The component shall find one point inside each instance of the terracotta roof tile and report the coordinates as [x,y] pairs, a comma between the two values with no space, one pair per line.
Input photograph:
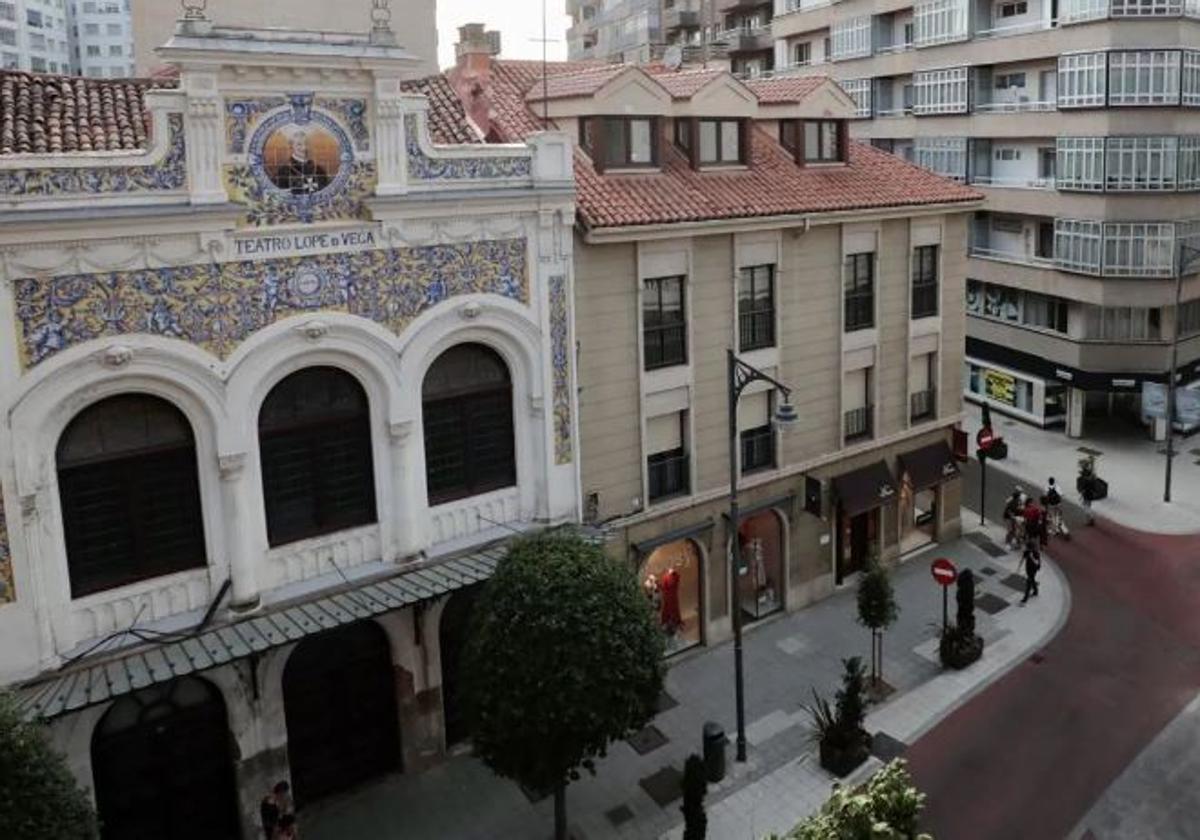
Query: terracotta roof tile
[682,84]
[44,114]
[448,121]
[786,89]
[771,186]
[578,83]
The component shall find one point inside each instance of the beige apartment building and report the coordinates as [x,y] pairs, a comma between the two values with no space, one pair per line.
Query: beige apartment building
[1079,120]
[416,23]
[716,214]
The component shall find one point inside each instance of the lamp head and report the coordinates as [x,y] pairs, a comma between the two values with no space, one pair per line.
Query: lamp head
[786,415]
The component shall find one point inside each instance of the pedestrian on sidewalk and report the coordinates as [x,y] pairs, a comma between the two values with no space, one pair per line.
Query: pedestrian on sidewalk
[1034,519]
[1012,512]
[287,828]
[276,807]
[1033,564]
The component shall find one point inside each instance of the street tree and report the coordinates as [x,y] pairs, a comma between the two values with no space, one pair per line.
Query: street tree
[877,610]
[563,657]
[39,799]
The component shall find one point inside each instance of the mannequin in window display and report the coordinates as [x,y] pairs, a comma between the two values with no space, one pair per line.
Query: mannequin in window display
[668,587]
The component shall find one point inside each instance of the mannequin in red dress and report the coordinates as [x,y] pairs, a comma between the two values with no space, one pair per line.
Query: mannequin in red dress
[668,587]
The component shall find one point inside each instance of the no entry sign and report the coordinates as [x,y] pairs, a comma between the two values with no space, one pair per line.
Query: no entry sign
[984,438]
[944,571]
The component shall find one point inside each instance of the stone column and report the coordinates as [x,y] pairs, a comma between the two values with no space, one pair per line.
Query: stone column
[1076,402]
[390,150]
[240,546]
[205,138]
[408,530]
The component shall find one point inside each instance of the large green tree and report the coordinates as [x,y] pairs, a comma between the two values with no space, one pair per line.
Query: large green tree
[39,799]
[564,657]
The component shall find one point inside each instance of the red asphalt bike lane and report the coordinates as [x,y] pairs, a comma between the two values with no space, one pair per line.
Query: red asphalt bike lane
[1027,757]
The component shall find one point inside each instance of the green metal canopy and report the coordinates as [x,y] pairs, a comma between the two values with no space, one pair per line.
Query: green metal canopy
[101,678]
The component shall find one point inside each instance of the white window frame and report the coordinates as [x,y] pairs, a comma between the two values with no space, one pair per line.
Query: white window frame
[941,91]
[1143,77]
[860,92]
[1140,164]
[1077,11]
[1139,249]
[1146,8]
[1079,245]
[945,156]
[1188,168]
[940,22]
[851,38]
[1190,75]
[1082,80]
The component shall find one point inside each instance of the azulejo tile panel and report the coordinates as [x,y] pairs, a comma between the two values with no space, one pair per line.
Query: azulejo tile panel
[560,341]
[169,173]
[8,591]
[353,114]
[266,206]
[241,117]
[217,306]
[421,167]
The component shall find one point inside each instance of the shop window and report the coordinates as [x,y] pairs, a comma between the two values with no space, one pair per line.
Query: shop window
[317,466]
[130,492]
[756,308]
[925,281]
[468,421]
[670,578]
[860,292]
[760,573]
[664,327]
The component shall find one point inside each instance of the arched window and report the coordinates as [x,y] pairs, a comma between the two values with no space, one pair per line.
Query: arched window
[468,419]
[314,434]
[130,493]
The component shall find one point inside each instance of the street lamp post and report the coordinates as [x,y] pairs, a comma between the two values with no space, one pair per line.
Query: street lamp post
[1187,254]
[741,375]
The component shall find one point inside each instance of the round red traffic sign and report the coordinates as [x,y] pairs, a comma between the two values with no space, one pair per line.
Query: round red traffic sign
[944,571]
[984,438]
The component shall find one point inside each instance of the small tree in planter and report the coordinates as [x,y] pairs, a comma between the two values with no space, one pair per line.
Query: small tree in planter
[842,742]
[959,645]
[877,610]
[695,786]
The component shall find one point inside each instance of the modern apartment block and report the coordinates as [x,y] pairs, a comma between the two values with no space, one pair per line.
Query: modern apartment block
[102,39]
[34,36]
[735,34]
[1080,122]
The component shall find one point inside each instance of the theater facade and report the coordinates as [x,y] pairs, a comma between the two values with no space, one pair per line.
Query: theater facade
[286,353]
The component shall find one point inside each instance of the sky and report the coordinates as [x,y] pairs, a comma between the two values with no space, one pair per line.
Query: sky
[519,22]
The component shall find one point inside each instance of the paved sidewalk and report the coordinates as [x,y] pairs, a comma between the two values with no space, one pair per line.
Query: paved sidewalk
[1133,466]
[635,792]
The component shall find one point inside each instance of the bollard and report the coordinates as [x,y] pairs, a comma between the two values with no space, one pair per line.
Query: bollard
[714,752]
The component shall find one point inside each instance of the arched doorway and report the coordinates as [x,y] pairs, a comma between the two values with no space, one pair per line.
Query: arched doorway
[339,700]
[452,639]
[163,765]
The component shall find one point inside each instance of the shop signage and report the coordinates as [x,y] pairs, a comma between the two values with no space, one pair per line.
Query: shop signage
[1064,374]
[304,243]
[944,572]
[1124,383]
[1000,387]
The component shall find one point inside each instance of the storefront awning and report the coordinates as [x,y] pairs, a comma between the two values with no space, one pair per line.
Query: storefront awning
[864,489]
[930,465]
[99,679]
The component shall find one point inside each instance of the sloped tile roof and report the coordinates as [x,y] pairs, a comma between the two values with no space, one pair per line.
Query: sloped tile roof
[45,114]
[784,90]
[448,121]
[578,83]
[771,186]
[682,84]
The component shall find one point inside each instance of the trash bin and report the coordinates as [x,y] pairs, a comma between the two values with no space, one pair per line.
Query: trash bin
[714,752]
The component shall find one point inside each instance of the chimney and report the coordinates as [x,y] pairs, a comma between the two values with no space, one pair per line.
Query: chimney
[476,47]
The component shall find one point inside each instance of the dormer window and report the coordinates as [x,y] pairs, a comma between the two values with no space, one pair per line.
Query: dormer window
[620,142]
[712,142]
[815,141]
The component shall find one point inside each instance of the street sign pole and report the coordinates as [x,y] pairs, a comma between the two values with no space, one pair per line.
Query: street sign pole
[982,485]
[944,573]
[945,608]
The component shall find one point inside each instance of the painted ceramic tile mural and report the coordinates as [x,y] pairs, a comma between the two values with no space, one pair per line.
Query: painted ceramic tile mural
[218,306]
[560,340]
[353,114]
[242,116]
[169,173]
[8,592]
[421,167]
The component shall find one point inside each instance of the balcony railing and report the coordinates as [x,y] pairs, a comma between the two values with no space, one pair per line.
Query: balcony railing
[858,423]
[889,49]
[756,329]
[1016,29]
[747,39]
[1011,257]
[894,113]
[923,404]
[758,449]
[1016,107]
[1014,183]
[667,476]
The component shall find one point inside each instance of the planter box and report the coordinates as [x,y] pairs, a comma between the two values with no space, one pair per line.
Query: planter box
[843,762]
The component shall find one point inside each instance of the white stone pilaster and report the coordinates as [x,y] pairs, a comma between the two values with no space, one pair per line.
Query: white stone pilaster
[240,545]
[205,139]
[390,156]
